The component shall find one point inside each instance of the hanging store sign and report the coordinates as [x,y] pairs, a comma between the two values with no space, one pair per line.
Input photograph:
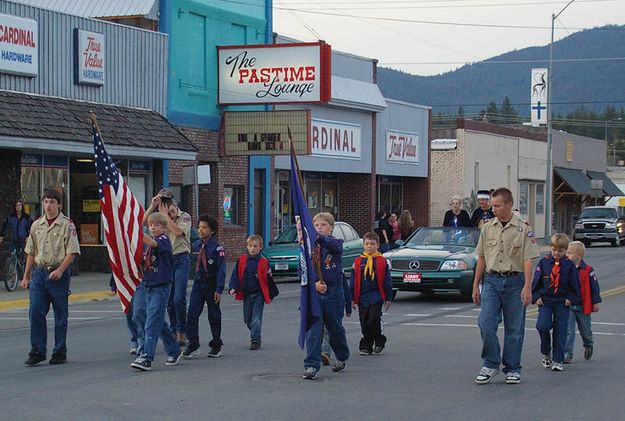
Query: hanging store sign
[89,61]
[278,73]
[19,46]
[539,88]
[335,139]
[266,132]
[402,147]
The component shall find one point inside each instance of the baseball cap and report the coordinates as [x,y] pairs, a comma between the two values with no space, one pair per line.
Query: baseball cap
[166,194]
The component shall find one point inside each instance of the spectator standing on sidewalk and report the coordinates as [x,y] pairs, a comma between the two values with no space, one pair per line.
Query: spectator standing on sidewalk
[505,251]
[51,249]
[179,228]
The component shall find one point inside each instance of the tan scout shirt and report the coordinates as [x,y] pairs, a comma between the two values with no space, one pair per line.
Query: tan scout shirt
[506,248]
[181,244]
[50,244]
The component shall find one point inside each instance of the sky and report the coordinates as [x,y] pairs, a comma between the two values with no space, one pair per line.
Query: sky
[386,29]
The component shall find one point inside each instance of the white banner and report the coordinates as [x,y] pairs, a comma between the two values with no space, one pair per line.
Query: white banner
[335,139]
[271,74]
[90,58]
[402,147]
[19,46]
[540,78]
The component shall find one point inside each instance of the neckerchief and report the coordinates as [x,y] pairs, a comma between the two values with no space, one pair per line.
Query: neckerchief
[147,259]
[369,271]
[554,278]
[201,258]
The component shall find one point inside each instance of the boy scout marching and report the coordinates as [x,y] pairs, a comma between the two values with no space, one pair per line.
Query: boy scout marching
[502,286]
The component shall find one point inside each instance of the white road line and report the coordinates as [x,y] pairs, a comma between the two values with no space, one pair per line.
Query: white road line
[460,316]
[528,329]
[449,308]
[416,315]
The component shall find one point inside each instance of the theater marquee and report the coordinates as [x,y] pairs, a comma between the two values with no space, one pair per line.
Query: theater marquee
[266,132]
[276,73]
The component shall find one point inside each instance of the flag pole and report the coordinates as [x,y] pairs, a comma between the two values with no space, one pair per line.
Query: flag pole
[94,121]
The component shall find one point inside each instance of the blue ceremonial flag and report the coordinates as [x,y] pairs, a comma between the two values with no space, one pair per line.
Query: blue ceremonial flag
[309,307]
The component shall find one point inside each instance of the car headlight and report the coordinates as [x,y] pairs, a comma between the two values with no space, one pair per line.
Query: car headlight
[454,265]
[610,225]
[388,263]
[579,226]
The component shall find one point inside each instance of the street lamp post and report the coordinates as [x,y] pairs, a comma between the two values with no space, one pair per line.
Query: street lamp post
[549,180]
[605,137]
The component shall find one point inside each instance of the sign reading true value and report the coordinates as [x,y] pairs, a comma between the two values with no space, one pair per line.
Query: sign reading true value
[402,146]
[19,46]
[277,73]
[89,62]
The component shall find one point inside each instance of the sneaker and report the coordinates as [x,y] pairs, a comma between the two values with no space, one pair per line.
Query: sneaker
[338,366]
[310,373]
[546,361]
[58,358]
[255,345]
[133,351]
[557,366]
[513,378]
[486,375]
[35,357]
[568,359]
[142,364]
[325,358]
[365,352]
[588,352]
[378,349]
[191,350]
[215,352]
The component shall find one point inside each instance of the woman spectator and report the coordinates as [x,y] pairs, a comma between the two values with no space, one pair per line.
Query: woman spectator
[456,217]
[16,227]
[406,225]
[381,228]
[395,233]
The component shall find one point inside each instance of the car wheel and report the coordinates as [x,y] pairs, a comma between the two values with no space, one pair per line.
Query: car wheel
[467,295]
[395,291]
[586,243]
[616,243]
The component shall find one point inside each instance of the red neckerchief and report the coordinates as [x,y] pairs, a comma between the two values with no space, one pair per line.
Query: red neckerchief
[201,258]
[554,278]
[51,221]
[147,259]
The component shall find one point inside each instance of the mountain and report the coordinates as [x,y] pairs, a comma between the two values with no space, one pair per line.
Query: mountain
[594,84]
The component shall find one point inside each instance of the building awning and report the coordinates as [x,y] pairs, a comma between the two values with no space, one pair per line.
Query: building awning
[356,94]
[100,8]
[575,179]
[609,187]
[42,123]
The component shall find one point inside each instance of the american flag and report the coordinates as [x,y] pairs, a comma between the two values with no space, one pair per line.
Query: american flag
[122,216]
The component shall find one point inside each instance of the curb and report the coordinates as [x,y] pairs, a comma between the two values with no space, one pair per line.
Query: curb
[23,303]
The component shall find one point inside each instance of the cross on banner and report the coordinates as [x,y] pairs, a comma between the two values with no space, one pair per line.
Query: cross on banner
[538,107]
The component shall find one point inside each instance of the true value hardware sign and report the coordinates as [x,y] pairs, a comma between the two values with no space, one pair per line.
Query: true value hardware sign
[277,73]
[89,62]
[402,147]
[19,46]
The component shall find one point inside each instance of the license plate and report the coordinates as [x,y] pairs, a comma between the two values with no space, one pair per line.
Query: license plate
[412,278]
[281,266]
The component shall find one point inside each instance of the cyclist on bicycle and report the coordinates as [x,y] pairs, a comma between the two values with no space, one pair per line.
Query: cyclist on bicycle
[16,227]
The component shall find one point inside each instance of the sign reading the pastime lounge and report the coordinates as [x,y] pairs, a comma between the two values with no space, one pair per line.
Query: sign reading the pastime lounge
[277,73]
[89,62]
[19,43]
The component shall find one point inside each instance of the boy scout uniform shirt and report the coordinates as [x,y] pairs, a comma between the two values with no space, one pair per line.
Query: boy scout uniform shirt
[49,244]
[181,244]
[505,249]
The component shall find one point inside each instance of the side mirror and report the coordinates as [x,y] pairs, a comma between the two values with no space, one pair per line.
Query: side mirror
[399,243]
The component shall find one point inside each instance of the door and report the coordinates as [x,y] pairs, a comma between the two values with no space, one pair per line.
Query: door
[259,202]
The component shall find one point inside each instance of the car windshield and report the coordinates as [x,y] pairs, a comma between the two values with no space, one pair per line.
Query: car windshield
[599,213]
[444,236]
[287,236]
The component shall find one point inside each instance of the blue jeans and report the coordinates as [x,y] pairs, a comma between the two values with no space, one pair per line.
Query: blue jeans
[584,323]
[502,295]
[552,315]
[43,292]
[155,324]
[139,311]
[332,309]
[177,306]
[204,292]
[132,329]
[325,344]
[253,305]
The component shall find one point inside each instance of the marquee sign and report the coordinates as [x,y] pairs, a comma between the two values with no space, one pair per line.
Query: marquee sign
[276,73]
[89,57]
[19,46]
[266,132]
[402,147]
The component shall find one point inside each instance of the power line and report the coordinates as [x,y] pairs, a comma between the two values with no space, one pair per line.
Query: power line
[487,61]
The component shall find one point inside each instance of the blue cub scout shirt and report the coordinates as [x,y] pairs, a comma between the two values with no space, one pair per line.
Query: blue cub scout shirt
[157,265]
[331,258]
[568,288]
[215,263]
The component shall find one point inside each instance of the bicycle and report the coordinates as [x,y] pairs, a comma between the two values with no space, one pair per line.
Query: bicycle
[14,269]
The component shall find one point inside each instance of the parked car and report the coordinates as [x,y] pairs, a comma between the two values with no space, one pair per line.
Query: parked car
[283,251]
[435,259]
[600,223]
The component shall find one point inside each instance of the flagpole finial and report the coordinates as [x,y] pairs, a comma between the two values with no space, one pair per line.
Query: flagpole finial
[94,120]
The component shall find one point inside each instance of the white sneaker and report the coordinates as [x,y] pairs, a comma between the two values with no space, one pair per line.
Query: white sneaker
[486,375]
[513,378]
[557,367]
[546,361]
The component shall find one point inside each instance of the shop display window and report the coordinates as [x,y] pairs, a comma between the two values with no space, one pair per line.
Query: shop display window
[232,205]
[40,172]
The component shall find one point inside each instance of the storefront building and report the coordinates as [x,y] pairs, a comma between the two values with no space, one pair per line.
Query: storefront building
[54,70]
[403,160]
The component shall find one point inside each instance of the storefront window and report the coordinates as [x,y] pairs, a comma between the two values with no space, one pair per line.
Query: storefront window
[390,193]
[540,198]
[523,197]
[232,205]
[40,172]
